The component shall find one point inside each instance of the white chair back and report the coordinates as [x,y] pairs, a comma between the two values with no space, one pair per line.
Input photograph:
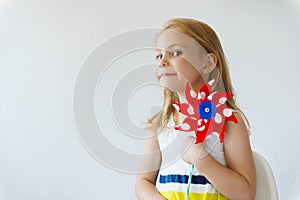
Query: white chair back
[266,188]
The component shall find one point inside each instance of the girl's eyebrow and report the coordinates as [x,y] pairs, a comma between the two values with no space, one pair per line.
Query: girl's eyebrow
[172,45]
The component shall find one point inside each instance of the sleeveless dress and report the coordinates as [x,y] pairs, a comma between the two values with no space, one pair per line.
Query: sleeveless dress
[173,176]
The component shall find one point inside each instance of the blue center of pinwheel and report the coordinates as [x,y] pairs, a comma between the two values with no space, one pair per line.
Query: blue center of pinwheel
[207,110]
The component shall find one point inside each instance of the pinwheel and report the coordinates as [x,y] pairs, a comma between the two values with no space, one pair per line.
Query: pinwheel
[206,112]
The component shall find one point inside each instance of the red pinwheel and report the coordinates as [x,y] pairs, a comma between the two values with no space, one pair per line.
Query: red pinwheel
[206,112]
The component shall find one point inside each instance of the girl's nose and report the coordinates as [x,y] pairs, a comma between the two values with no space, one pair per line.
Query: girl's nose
[164,62]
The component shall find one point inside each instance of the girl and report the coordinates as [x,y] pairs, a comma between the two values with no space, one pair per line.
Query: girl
[190,51]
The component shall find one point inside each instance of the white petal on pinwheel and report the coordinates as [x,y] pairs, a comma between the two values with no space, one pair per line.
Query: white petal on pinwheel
[202,95]
[227,112]
[218,118]
[176,106]
[201,128]
[191,110]
[198,96]
[211,95]
[193,94]
[185,126]
[211,82]
[222,100]
[199,122]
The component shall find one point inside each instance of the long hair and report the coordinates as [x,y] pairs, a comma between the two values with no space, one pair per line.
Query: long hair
[208,39]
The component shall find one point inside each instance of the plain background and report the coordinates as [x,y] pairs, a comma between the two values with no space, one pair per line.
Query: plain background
[44,43]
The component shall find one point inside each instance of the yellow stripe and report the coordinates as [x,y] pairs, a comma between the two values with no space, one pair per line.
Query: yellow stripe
[192,196]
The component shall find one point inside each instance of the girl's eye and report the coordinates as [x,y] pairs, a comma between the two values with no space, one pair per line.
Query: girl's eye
[176,53]
[158,57]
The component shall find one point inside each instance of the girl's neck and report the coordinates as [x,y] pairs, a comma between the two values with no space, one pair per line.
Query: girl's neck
[182,97]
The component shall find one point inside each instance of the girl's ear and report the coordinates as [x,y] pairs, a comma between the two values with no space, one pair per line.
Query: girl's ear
[210,64]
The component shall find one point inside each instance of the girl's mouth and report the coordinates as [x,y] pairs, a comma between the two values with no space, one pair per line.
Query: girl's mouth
[167,74]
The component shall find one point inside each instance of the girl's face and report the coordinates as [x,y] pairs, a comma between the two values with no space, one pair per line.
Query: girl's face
[179,59]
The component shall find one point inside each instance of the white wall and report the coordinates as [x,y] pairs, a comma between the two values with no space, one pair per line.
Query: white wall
[43,45]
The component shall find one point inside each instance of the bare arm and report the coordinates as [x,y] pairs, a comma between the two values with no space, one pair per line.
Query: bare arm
[146,179]
[237,180]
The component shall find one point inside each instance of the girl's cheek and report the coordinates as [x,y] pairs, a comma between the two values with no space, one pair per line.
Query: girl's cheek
[180,67]
[188,72]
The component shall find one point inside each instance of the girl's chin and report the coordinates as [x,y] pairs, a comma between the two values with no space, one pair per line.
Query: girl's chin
[173,87]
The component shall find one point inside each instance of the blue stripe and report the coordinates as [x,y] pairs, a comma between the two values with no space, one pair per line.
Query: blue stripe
[176,178]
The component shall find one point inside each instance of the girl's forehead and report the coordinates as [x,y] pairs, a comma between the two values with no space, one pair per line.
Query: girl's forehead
[168,39]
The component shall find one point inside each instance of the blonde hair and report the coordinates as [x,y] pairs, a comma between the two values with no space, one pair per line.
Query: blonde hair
[207,38]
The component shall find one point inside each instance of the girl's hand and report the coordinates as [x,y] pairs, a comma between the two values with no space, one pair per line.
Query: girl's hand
[191,152]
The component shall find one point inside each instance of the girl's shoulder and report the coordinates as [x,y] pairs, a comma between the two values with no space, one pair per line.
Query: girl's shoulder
[240,125]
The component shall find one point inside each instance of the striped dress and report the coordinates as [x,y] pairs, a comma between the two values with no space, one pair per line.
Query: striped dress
[173,176]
